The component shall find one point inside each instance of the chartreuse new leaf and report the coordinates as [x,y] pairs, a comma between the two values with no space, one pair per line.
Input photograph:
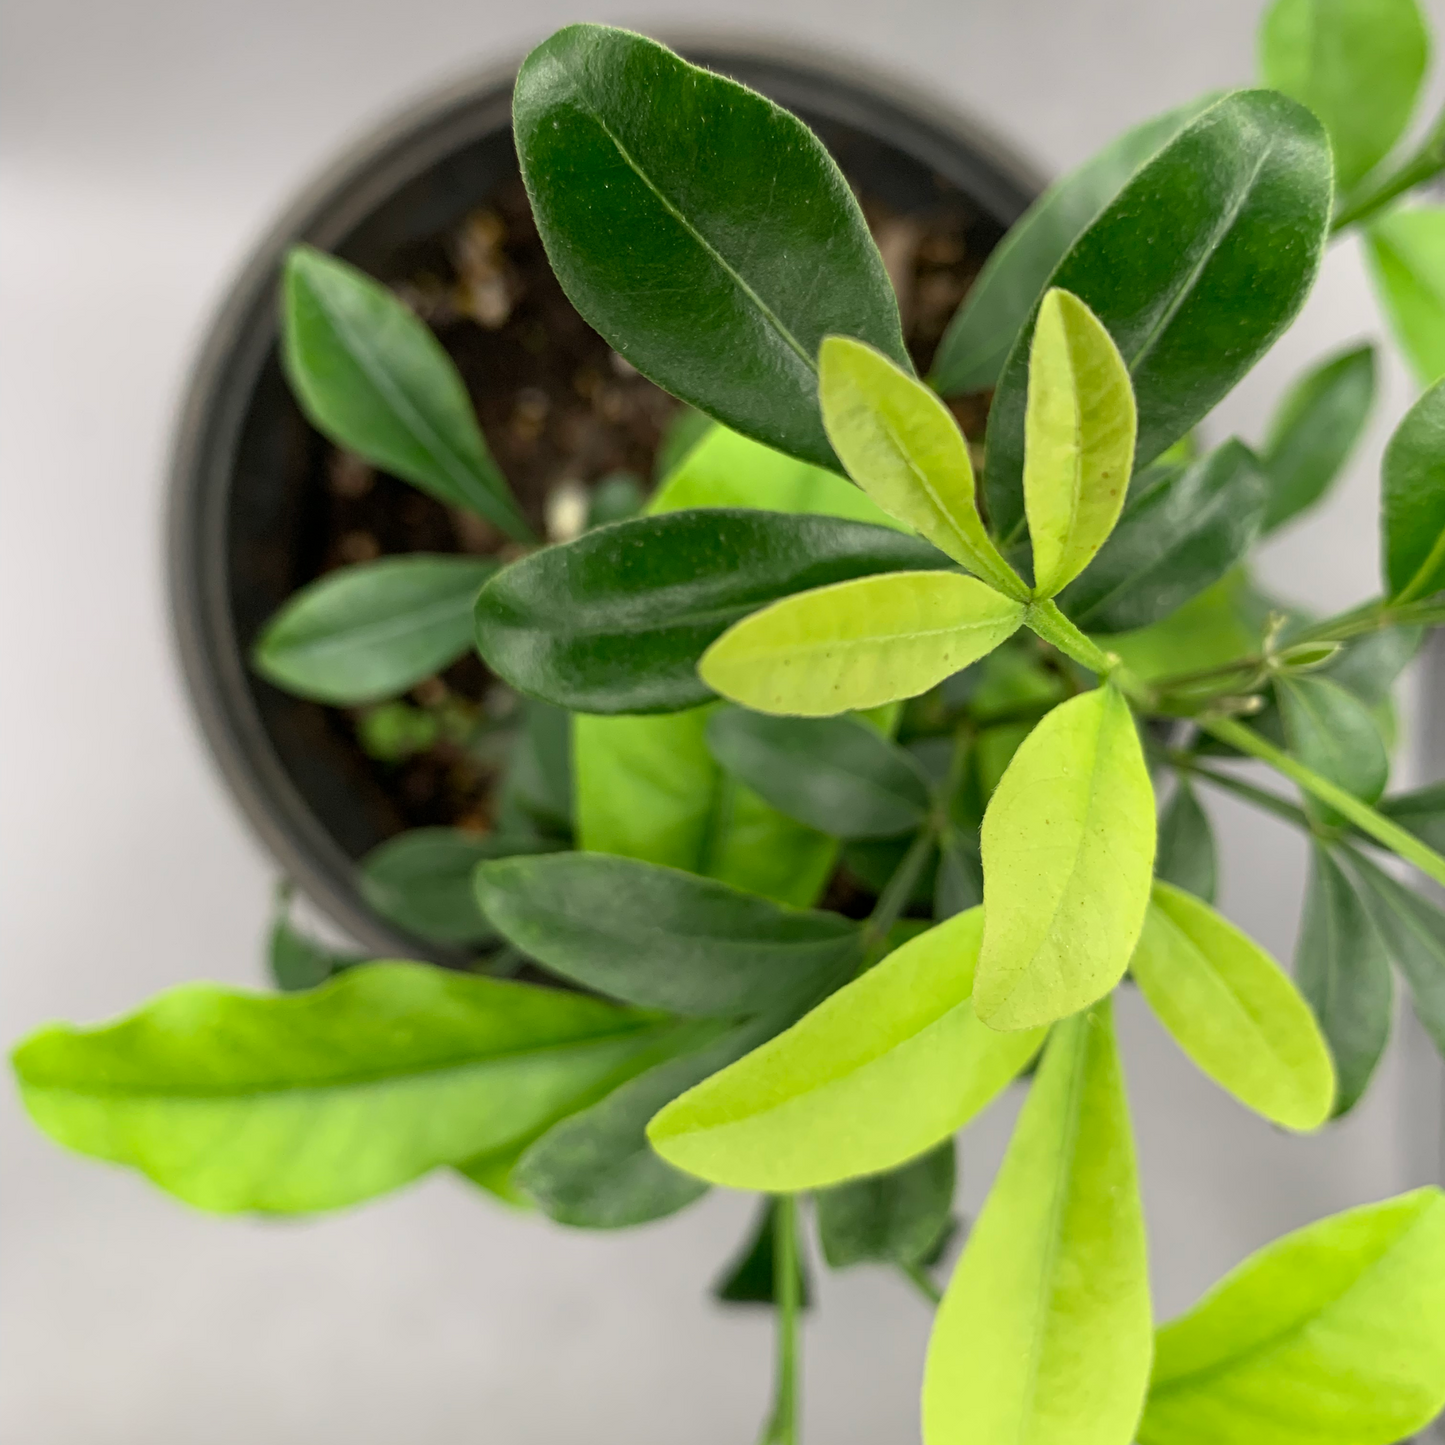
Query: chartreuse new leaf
[664,938]
[1068,856]
[1314,431]
[1356,63]
[374,380]
[1406,248]
[877,1074]
[368,632]
[859,644]
[688,218]
[1044,1334]
[1079,439]
[615,622]
[1233,1010]
[999,301]
[1195,268]
[903,447]
[837,775]
[1413,501]
[1333,1335]
[313,1100]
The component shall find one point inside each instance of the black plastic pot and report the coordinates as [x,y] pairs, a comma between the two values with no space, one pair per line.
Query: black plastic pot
[246,464]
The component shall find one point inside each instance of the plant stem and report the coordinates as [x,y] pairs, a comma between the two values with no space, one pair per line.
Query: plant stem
[925,1286]
[782,1426]
[1268,802]
[1056,629]
[1427,162]
[897,891]
[1364,817]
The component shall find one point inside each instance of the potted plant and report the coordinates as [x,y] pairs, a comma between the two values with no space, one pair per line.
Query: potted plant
[868,757]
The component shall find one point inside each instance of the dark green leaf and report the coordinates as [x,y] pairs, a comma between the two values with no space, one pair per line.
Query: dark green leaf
[1195,268]
[837,775]
[367,632]
[1413,501]
[298,962]
[1179,533]
[689,220]
[596,1170]
[684,430]
[750,1278]
[958,885]
[1413,930]
[1421,812]
[1332,731]
[1186,854]
[1356,63]
[892,1218]
[1012,280]
[314,1100]
[1344,973]
[422,881]
[373,379]
[1314,431]
[675,941]
[616,621]
[538,784]
[614,499]
[874,861]
[1369,665]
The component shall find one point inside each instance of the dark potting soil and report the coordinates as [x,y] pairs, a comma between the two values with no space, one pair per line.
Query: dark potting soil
[562,413]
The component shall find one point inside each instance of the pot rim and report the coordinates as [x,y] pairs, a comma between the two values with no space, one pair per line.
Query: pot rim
[242,331]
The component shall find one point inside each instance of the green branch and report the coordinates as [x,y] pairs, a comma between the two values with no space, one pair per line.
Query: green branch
[1424,165]
[1364,817]
[782,1426]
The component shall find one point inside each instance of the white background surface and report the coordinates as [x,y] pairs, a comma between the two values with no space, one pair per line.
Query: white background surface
[145,146]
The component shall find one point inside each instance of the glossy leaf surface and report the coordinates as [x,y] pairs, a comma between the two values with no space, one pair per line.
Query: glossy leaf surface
[368,632]
[661,937]
[1195,269]
[877,1074]
[1044,1333]
[422,881]
[1314,431]
[1186,856]
[1356,63]
[893,1218]
[1412,928]
[313,1100]
[904,448]
[1176,537]
[1344,972]
[837,775]
[1407,255]
[1333,1335]
[1000,300]
[1068,857]
[1078,439]
[688,218]
[617,620]
[859,644]
[1413,501]
[1233,1010]
[373,379]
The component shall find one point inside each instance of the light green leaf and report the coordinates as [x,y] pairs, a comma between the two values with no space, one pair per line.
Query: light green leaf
[1344,972]
[1078,439]
[1412,501]
[893,1218]
[1406,249]
[1186,854]
[368,632]
[1068,857]
[309,1101]
[1356,63]
[1233,1010]
[727,469]
[858,644]
[1333,1335]
[998,303]
[373,379]
[903,447]
[877,1074]
[1044,1334]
